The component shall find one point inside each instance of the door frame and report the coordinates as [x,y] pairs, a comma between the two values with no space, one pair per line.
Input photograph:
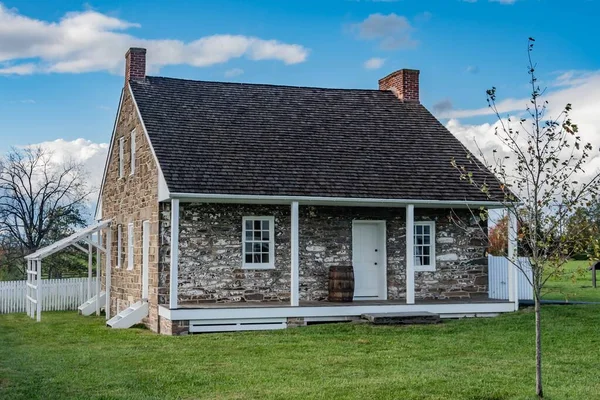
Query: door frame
[383,272]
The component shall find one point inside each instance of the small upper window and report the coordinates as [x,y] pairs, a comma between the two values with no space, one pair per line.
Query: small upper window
[133,152]
[121,159]
[424,246]
[258,242]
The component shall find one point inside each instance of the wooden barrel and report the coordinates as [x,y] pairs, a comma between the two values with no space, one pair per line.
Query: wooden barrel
[341,283]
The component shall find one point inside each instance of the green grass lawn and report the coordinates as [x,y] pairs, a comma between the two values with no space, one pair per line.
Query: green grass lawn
[574,284]
[69,356]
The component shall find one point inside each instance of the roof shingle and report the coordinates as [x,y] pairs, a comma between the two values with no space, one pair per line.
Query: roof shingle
[250,139]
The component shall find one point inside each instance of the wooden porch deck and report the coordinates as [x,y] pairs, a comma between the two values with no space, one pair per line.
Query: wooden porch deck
[475,299]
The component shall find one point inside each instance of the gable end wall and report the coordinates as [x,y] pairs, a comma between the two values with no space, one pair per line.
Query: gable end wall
[132,199]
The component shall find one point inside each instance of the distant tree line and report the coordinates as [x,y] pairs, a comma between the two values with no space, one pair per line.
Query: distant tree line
[578,238]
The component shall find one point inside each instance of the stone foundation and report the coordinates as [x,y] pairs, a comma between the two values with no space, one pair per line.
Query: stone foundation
[173,328]
[295,322]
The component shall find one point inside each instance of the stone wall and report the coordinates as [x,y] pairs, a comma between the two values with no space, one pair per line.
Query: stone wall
[210,257]
[133,198]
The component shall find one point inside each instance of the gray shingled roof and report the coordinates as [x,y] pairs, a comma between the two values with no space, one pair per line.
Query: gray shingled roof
[249,139]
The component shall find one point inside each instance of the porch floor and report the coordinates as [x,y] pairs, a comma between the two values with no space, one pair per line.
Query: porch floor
[273,304]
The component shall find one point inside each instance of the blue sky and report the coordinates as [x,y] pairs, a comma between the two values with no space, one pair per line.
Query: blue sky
[58,82]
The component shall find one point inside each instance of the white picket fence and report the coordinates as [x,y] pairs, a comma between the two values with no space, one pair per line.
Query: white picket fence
[57,294]
[498,278]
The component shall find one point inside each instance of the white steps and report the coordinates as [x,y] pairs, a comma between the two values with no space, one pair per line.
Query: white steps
[89,307]
[130,316]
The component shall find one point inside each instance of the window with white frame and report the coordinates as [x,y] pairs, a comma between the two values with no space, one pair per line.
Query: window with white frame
[258,248]
[132,152]
[130,246]
[424,246]
[121,159]
[119,245]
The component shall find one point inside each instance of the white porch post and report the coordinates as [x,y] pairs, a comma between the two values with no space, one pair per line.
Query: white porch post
[295,268]
[174,253]
[410,259]
[108,271]
[513,271]
[27,302]
[90,258]
[38,294]
[98,272]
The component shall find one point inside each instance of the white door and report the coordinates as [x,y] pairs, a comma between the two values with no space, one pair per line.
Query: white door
[368,260]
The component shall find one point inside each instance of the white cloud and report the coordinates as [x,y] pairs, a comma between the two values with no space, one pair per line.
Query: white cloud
[581,89]
[90,41]
[91,155]
[21,69]
[374,63]
[231,73]
[393,31]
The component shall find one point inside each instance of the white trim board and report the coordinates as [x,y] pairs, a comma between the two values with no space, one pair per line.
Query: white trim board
[98,212]
[320,200]
[335,311]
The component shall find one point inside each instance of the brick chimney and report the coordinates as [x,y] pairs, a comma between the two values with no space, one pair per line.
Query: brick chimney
[135,64]
[404,83]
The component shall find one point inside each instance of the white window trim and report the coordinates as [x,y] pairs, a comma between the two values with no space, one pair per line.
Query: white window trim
[271,263]
[121,157]
[130,247]
[132,152]
[119,245]
[432,255]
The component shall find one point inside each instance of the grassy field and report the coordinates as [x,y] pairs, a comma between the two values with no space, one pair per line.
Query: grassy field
[69,356]
[575,284]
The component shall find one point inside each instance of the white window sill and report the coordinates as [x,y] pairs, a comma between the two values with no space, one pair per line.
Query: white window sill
[257,266]
[425,268]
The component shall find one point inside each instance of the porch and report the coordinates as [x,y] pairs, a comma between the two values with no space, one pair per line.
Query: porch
[197,318]
[360,303]
[208,261]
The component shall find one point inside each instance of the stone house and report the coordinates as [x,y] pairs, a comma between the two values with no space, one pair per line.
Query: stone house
[229,202]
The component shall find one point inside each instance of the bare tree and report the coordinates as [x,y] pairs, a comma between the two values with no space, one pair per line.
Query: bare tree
[540,164]
[40,202]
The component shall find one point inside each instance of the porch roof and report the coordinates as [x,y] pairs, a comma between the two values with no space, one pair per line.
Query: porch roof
[68,241]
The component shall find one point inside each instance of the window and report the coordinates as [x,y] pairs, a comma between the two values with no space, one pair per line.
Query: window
[258,242]
[121,161]
[119,245]
[424,245]
[130,246]
[132,152]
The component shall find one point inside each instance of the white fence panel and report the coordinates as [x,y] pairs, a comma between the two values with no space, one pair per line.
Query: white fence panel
[57,294]
[498,278]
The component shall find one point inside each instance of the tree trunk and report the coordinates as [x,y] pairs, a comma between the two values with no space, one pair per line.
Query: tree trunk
[538,349]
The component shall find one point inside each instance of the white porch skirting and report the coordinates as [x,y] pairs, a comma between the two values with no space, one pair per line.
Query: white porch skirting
[448,310]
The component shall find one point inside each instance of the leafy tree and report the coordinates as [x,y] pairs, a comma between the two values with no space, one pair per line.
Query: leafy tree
[41,201]
[582,231]
[498,238]
[540,166]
